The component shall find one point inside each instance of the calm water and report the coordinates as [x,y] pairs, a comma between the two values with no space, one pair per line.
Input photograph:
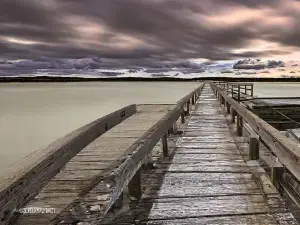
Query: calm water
[34,115]
[277,89]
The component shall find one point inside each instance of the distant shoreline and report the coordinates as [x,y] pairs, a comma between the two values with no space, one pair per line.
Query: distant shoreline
[119,79]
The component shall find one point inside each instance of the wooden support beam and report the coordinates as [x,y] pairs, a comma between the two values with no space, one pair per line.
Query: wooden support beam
[254,142]
[233,114]
[276,175]
[175,128]
[193,99]
[228,107]
[253,147]
[239,126]
[135,187]
[239,93]
[165,145]
[188,107]
[182,117]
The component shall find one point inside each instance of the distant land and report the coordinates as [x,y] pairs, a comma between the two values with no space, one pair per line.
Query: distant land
[94,69]
[110,79]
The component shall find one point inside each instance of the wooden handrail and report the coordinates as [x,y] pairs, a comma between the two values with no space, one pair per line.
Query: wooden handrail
[285,150]
[113,184]
[22,181]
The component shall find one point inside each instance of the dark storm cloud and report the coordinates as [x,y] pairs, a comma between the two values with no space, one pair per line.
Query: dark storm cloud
[165,30]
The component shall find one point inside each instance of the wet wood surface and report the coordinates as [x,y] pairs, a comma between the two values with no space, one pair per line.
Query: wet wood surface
[207,180]
[92,162]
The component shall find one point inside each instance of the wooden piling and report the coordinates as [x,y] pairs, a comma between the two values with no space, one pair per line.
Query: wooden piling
[165,145]
[175,128]
[135,187]
[193,100]
[276,175]
[239,93]
[228,108]
[233,114]
[182,117]
[239,126]
[188,107]
[253,147]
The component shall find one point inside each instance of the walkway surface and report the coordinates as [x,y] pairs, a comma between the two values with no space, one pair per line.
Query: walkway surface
[206,180]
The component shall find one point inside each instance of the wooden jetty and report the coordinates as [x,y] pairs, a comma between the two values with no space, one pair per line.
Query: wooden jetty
[194,162]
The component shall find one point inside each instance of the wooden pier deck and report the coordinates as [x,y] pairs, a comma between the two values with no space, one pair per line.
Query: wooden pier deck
[105,172]
[206,180]
[92,162]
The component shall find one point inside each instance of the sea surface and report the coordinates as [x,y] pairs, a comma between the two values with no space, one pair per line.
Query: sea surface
[32,115]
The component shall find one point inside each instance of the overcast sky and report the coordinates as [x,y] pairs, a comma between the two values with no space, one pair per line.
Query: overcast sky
[150,30]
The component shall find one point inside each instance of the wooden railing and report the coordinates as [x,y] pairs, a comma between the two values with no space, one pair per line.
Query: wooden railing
[286,151]
[107,191]
[22,181]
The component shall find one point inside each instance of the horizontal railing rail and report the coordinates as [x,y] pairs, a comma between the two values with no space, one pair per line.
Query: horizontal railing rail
[22,181]
[287,152]
[128,173]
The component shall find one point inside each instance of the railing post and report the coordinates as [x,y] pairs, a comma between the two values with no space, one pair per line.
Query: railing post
[175,128]
[182,116]
[228,108]
[188,107]
[253,147]
[165,145]
[276,175]
[193,99]
[134,186]
[239,93]
[239,125]
[233,114]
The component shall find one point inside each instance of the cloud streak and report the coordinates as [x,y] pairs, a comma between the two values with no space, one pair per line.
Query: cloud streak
[141,32]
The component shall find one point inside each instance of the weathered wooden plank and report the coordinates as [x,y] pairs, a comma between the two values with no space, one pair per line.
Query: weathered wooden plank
[77,175]
[180,150]
[207,145]
[65,186]
[200,184]
[169,208]
[228,220]
[208,157]
[87,165]
[197,167]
